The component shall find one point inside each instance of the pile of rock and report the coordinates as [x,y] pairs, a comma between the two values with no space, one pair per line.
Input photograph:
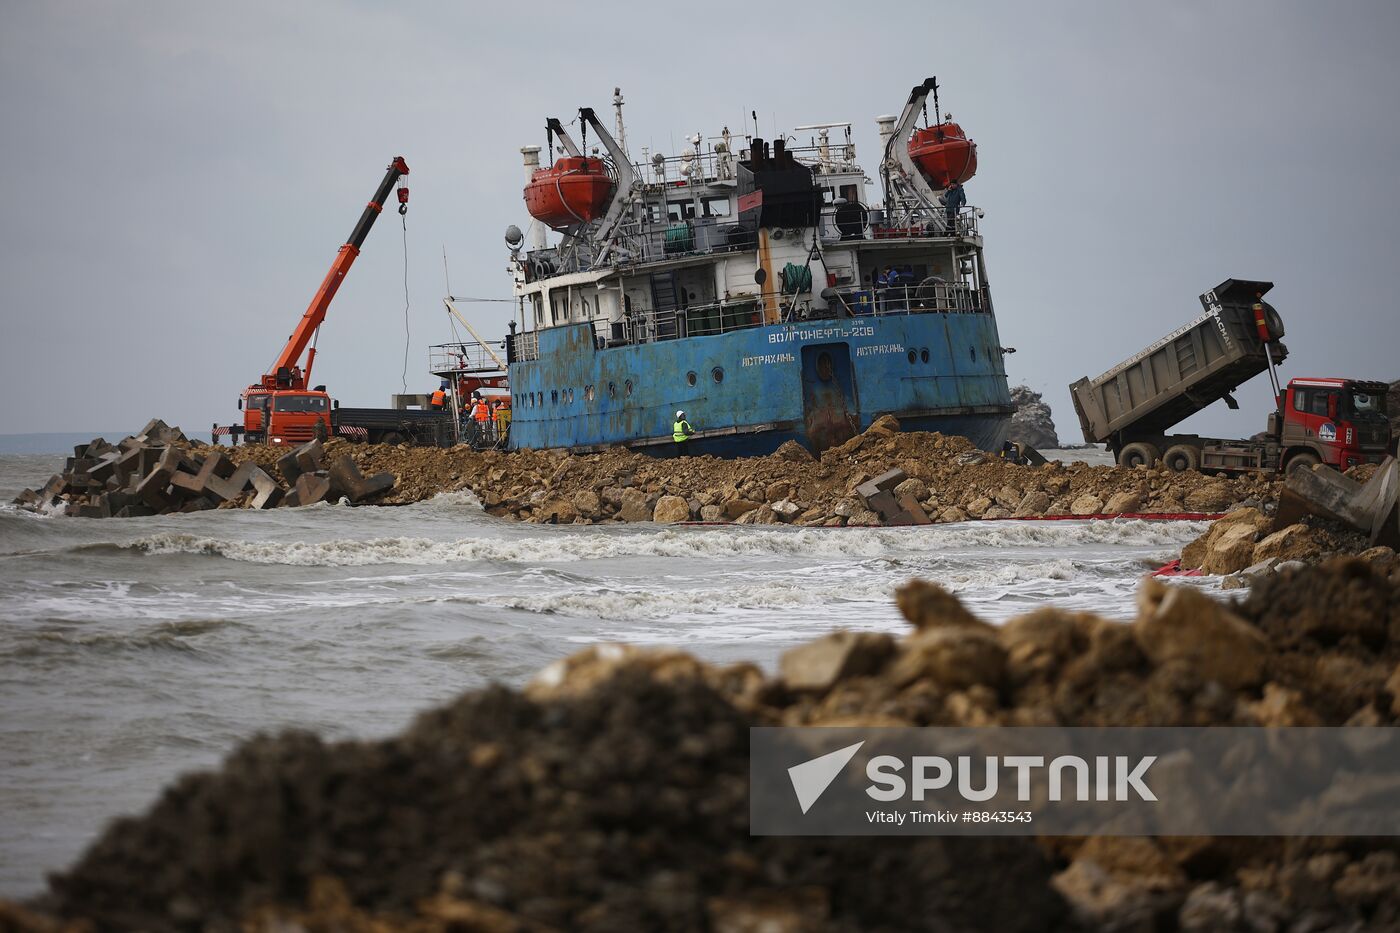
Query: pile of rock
[159,471]
[613,792]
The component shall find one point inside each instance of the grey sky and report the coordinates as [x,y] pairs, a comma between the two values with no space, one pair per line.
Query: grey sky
[182,173]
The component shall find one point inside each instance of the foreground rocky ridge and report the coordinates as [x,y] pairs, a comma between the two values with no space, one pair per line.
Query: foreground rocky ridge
[947,480]
[612,792]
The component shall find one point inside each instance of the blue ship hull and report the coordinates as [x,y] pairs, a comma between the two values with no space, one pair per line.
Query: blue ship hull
[747,391]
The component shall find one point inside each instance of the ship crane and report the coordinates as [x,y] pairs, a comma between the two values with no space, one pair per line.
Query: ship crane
[899,169]
[624,194]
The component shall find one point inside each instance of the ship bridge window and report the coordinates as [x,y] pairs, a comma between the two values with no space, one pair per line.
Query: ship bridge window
[715,206]
[680,210]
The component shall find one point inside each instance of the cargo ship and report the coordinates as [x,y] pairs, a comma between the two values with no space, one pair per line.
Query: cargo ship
[754,284]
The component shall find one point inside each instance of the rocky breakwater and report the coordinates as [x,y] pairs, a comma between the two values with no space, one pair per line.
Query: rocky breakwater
[159,471]
[944,479]
[611,793]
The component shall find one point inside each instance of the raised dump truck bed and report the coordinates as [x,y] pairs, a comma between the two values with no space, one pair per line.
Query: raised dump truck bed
[1190,368]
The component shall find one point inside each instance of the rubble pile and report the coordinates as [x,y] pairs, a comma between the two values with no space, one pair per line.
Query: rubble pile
[612,792]
[159,471]
[1321,513]
[944,479]
[1031,423]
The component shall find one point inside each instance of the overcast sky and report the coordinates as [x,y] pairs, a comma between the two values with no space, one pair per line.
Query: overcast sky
[181,174]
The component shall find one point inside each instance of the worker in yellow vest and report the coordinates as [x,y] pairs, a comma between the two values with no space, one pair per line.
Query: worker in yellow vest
[681,432]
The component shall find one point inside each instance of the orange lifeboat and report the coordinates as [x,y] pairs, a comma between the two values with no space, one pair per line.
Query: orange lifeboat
[574,190]
[944,154]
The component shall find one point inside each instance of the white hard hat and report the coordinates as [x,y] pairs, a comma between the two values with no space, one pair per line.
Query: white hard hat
[680,414]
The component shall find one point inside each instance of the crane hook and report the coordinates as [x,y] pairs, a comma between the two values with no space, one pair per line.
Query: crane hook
[403,199]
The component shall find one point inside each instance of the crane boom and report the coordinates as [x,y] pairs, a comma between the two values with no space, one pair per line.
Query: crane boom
[286,374]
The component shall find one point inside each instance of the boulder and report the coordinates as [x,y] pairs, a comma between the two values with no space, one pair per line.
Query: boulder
[636,507]
[927,605]
[556,511]
[712,513]
[776,491]
[794,452]
[845,508]
[1230,551]
[785,510]
[864,517]
[952,514]
[588,503]
[1087,504]
[734,508]
[818,665]
[1034,502]
[1194,554]
[913,486]
[1295,542]
[978,507]
[1180,625]
[1121,502]
[885,424]
[671,509]
[1210,497]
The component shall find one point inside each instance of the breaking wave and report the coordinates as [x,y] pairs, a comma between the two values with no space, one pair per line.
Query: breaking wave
[674,542]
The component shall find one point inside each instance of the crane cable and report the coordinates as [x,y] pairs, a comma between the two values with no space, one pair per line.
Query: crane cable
[406,334]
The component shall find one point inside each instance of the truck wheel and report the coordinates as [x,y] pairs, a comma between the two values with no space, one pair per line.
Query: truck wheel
[1181,457]
[1138,454]
[1304,460]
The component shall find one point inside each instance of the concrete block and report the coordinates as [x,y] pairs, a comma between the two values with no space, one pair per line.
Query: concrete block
[885,482]
[99,507]
[346,480]
[884,504]
[28,498]
[290,500]
[105,465]
[197,504]
[188,482]
[312,488]
[216,464]
[310,457]
[268,492]
[914,510]
[1321,491]
[288,467]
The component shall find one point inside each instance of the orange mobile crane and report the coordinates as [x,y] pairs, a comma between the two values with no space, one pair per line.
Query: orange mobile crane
[279,408]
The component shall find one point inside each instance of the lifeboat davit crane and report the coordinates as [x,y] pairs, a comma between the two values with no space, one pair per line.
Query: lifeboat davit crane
[574,190]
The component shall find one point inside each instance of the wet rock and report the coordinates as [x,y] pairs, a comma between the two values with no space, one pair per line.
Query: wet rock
[1182,626]
[671,509]
[785,510]
[952,514]
[927,605]
[588,504]
[1230,551]
[712,513]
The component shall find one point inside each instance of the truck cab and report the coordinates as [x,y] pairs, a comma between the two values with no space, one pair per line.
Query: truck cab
[284,416]
[1340,422]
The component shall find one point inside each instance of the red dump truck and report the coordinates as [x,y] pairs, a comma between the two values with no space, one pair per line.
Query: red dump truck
[1131,407]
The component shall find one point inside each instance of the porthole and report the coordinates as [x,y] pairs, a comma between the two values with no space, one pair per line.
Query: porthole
[627,387]
[571,396]
[612,390]
[554,396]
[913,357]
[717,374]
[690,378]
[588,393]
[923,354]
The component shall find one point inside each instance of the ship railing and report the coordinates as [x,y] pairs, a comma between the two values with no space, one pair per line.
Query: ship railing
[900,223]
[524,345]
[467,356]
[743,313]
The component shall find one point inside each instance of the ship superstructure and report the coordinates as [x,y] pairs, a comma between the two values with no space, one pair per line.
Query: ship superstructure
[754,284]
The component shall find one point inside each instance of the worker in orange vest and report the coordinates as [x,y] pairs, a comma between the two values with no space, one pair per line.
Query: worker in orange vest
[482,416]
[439,398]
